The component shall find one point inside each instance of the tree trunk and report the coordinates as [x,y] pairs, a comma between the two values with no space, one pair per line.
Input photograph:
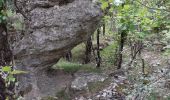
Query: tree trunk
[104,28]
[121,45]
[88,50]
[98,49]
[69,56]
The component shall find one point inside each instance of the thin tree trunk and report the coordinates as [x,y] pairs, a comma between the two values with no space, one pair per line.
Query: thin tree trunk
[121,45]
[135,49]
[104,28]
[98,49]
[143,66]
[69,56]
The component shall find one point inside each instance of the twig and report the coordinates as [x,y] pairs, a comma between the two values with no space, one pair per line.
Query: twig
[134,56]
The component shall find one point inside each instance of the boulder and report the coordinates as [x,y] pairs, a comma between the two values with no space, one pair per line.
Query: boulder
[53,29]
[82,79]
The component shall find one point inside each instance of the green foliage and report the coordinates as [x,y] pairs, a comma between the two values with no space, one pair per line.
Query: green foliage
[78,53]
[6,12]
[166,52]
[70,67]
[105,3]
[3,15]
[9,78]
[138,23]
[136,19]
[108,54]
[1,3]
[168,98]
[9,74]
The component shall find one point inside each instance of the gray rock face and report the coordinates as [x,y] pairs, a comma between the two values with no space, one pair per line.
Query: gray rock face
[55,27]
[81,81]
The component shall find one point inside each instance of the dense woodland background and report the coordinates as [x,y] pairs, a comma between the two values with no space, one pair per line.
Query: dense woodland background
[131,46]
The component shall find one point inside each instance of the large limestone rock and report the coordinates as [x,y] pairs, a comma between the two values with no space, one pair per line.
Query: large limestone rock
[55,27]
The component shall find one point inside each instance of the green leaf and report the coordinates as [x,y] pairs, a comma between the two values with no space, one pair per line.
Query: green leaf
[104,5]
[127,7]
[9,13]
[11,78]
[6,69]
[141,34]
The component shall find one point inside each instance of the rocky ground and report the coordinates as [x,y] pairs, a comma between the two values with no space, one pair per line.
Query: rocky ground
[128,83]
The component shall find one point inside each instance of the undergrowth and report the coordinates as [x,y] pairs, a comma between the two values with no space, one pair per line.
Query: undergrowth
[71,67]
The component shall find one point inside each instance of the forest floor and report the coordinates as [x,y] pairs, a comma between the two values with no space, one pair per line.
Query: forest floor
[135,82]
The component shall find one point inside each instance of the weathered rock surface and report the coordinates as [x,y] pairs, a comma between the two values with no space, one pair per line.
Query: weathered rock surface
[81,81]
[55,27]
[109,92]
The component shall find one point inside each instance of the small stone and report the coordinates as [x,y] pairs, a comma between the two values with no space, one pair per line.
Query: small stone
[98,96]
[82,98]
[104,94]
